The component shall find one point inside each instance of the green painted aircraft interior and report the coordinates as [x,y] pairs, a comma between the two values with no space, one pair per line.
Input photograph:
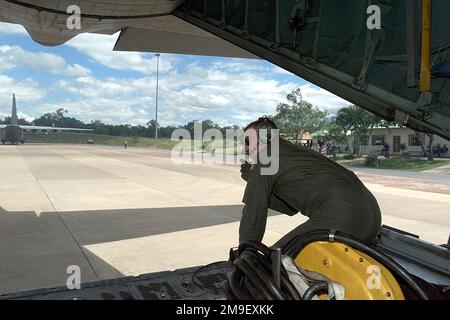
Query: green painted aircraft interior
[331,46]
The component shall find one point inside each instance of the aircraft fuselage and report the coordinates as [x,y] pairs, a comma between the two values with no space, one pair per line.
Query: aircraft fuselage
[12,134]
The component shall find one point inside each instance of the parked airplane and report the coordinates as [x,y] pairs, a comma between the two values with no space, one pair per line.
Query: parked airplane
[13,132]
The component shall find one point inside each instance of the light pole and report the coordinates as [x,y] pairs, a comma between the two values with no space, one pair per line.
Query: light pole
[157,89]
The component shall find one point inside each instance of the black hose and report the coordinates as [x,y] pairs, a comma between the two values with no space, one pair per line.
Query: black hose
[264,276]
[289,287]
[254,261]
[234,283]
[202,269]
[254,245]
[254,279]
[313,290]
[297,244]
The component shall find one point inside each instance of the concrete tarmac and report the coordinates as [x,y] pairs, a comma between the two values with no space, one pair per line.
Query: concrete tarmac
[115,212]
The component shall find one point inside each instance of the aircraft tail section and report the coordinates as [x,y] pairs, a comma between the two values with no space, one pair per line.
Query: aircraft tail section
[14,121]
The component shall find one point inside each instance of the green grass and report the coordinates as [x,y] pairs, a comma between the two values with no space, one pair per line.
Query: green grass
[81,138]
[339,156]
[140,142]
[412,164]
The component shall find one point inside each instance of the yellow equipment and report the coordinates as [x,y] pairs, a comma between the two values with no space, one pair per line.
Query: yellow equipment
[425,74]
[362,277]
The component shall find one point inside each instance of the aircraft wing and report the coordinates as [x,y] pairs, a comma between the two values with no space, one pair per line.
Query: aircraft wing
[44,128]
[170,34]
[147,26]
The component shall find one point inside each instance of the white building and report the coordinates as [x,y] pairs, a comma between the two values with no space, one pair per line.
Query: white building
[400,140]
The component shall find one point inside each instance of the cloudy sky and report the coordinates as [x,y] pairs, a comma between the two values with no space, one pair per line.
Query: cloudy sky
[93,82]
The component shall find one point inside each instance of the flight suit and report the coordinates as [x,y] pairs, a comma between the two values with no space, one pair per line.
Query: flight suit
[307,182]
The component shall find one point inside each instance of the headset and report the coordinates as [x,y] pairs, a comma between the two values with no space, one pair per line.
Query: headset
[264,123]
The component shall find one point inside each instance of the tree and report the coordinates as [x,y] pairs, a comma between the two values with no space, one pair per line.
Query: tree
[427,152]
[151,125]
[299,117]
[335,133]
[99,127]
[360,123]
[51,118]
[20,121]
[166,132]
[58,119]
[206,124]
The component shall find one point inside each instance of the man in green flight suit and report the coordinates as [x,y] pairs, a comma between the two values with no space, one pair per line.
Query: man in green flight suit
[306,182]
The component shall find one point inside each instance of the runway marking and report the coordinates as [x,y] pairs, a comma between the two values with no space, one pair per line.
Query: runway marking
[65,224]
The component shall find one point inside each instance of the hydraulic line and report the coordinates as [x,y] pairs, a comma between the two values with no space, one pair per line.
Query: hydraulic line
[255,245]
[234,283]
[255,279]
[263,275]
[195,279]
[256,268]
[286,283]
[289,287]
[313,290]
[253,276]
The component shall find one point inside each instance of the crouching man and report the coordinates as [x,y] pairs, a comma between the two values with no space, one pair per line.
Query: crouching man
[306,182]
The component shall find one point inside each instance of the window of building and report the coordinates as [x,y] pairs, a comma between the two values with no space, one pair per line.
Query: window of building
[378,140]
[414,141]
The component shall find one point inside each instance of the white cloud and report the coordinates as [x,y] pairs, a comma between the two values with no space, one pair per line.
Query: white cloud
[234,97]
[75,70]
[27,92]
[12,28]
[90,87]
[277,69]
[105,109]
[229,91]
[100,48]
[322,98]
[236,94]
[14,56]
[220,100]
[25,116]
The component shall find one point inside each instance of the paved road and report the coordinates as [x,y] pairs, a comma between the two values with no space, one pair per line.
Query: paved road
[420,181]
[116,212]
[443,177]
